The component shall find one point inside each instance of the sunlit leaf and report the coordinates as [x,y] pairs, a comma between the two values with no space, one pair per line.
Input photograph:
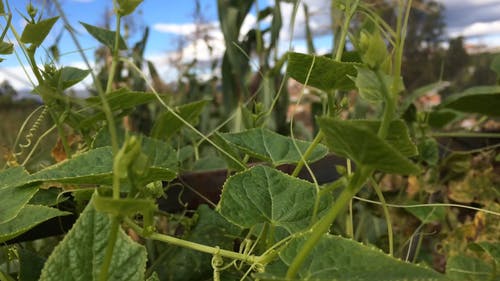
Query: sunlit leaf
[266,195]
[326,74]
[272,147]
[364,147]
[35,33]
[106,37]
[128,6]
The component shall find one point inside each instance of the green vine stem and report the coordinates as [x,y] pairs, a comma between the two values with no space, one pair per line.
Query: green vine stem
[359,178]
[387,215]
[250,259]
[338,57]
[113,234]
[106,108]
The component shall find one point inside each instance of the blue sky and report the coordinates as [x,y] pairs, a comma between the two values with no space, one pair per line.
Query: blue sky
[169,20]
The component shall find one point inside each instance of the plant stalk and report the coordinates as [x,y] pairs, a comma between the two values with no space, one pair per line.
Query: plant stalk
[108,257]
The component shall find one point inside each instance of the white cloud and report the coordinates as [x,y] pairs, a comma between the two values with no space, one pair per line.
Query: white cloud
[478,29]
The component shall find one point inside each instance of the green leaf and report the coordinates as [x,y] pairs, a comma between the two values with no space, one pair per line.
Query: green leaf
[13,177]
[326,74]
[429,151]
[266,195]
[463,268]
[80,254]
[482,99]
[67,77]
[127,207]
[153,277]
[397,135]
[427,214]
[104,36]
[211,229]
[30,265]
[271,147]
[127,6]
[35,33]
[166,125]
[338,258]
[48,197]
[371,88]
[91,167]
[492,248]
[96,166]
[120,99]
[364,147]
[6,48]
[441,117]
[27,218]
[14,196]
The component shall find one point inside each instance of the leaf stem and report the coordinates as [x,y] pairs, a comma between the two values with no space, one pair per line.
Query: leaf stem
[387,215]
[250,259]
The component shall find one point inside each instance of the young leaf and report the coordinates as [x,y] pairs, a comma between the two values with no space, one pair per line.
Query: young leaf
[6,48]
[371,88]
[338,258]
[106,37]
[80,254]
[364,147]
[67,77]
[326,74]
[35,33]
[127,6]
[482,99]
[271,147]
[166,125]
[266,195]
[27,218]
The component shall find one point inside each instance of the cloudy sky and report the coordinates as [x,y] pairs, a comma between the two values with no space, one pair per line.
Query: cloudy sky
[170,21]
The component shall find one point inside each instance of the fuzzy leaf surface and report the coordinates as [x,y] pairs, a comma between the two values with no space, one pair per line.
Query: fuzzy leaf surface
[326,74]
[13,195]
[336,258]
[80,254]
[265,195]
[364,147]
[272,147]
[96,166]
[27,218]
